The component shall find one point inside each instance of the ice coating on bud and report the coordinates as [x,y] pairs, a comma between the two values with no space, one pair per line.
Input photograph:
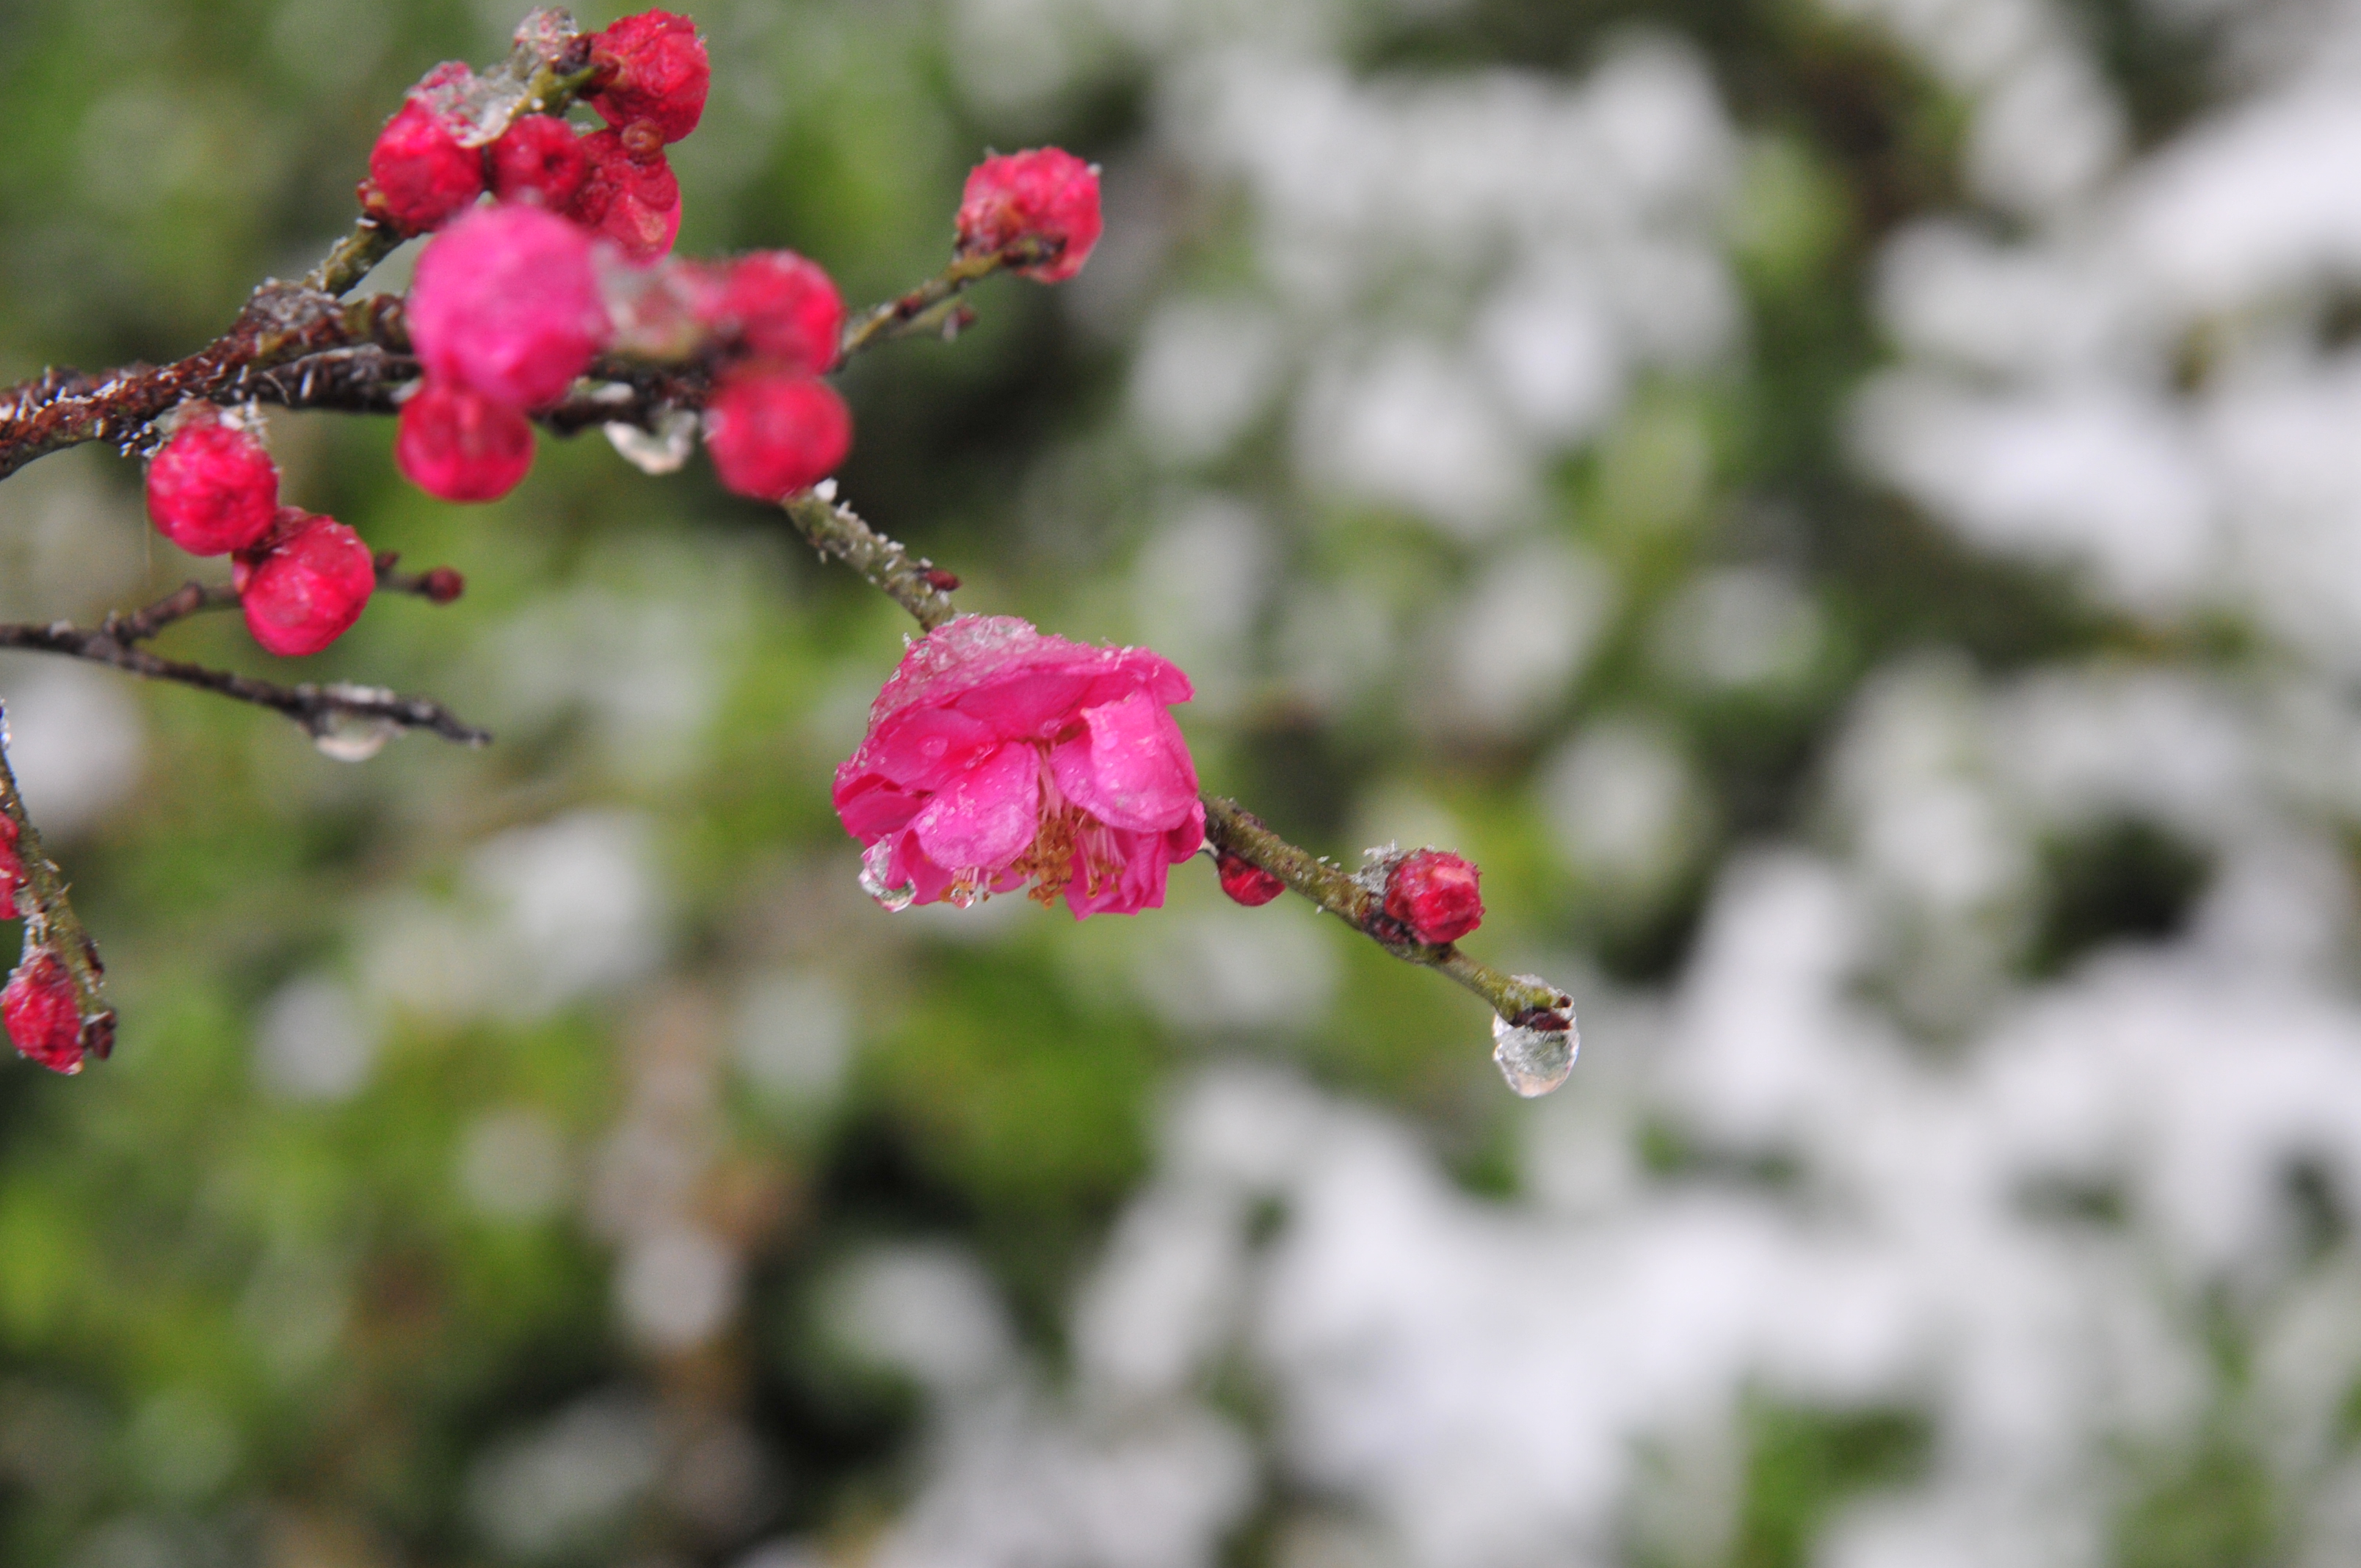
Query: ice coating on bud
[656,71]
[775,433]
[1434,893]
[540,160]
[39,1010]
[418,174]
[460,445]
[784,307]
[212,489]
[1536,1054]
[12,868]
[1246,881]
[506,301]
[1046,193]
[304,586]
[630,197]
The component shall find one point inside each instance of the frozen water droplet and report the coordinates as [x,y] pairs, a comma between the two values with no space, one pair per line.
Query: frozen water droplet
[661,451]
[349,738]
[876,863]
[1536,1059]
[967,889]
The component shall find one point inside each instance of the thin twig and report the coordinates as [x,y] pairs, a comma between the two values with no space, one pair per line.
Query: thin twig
[915,583]
[319,709]
[924,309]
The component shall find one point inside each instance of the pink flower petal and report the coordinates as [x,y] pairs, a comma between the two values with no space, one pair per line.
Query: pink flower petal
[871,807]
[987,816]
[1130,767]
[925,747]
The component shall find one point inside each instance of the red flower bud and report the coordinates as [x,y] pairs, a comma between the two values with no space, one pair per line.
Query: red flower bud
[418,174]
[631,197]
[305,585]
[782,308]
[507,302]
[655,69]
[1246,882]
[540,160]
[1048,194]
[1434,893]
[460,445]
[211,488]
[773,432]
[42,1015]
[443,585]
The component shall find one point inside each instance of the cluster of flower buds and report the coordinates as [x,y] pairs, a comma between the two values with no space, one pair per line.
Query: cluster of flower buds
[649,79]
[38,1007]
[303,579]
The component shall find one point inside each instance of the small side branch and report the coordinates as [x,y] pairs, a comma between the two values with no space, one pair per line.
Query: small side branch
[51,923]
[931,309]
[322,710]
[1234,830]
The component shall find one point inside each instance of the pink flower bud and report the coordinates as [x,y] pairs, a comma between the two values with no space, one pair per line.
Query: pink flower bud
[418,174]
[1432,892]
[656,69]
[211,486]
[506,301]
[631,197]
[305,585]
[460,445]
[782,308]
[42,1015]
[540,160]
[1048,194]
[1246,882]
[773,432]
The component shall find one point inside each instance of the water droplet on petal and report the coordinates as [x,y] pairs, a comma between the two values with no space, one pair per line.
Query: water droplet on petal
[1535,1060]
[661,451]
[876,864]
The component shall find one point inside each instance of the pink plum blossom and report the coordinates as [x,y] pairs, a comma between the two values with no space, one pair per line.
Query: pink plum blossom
[998,755]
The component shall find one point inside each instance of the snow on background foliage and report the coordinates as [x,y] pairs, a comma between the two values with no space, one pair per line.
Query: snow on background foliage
[1459,278]
[1878,593]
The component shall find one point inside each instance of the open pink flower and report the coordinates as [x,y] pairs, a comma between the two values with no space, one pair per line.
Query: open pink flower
[998,756]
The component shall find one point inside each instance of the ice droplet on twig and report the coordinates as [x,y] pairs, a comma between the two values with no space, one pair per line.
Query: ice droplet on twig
[661,451]
[355,737]
[1536,1057]
[876,863]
